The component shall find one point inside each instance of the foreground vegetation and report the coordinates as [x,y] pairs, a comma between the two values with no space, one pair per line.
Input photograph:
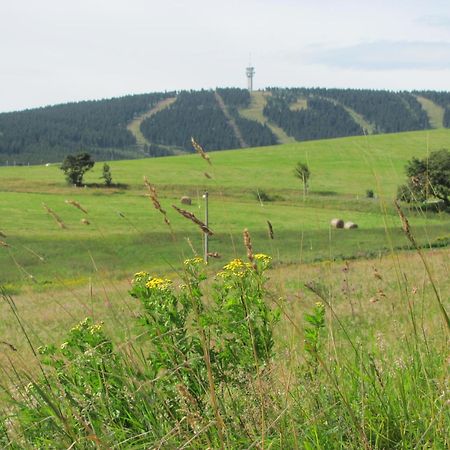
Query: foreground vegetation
[348,355]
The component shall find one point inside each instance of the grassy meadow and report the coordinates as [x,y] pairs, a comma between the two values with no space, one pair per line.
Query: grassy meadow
[341,343]
[126,234]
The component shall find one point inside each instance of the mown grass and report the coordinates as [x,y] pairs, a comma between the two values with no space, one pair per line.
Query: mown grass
[126,233]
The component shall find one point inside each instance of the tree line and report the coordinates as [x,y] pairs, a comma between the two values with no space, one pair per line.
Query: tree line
[387,112]
[48,133]
[321,119]
[100,127]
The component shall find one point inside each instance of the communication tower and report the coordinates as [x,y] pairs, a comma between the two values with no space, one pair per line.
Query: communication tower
[250,72]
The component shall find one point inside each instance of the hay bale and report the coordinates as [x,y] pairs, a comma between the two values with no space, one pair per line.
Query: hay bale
[337,223]
[185,200]
[350,225]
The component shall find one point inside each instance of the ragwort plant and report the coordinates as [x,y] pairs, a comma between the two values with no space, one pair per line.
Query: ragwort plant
[191,372]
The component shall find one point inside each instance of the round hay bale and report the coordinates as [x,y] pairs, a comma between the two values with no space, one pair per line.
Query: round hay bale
[185,200]
[337,223]
[350,225]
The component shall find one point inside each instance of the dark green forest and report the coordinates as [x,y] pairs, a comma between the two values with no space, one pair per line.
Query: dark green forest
[194,114]
[321,119]
[254,133]
[47,134]
[99,127]
[386,111]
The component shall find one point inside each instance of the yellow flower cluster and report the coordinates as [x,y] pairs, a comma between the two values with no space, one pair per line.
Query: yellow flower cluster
[139,276]
[83,324]
[235,267]
[97,328]
[196,260]
[263,258]
[158,283]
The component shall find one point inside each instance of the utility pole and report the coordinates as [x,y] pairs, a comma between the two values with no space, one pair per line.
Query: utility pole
[205,196]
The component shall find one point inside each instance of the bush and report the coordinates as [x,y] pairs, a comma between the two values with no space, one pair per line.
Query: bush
[75,166]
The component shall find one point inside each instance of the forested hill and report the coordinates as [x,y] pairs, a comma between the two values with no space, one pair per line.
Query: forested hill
[158,124]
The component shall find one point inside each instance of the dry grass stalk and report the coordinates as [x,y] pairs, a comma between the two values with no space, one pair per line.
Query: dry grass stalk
[198,148]
[194,219]
[407,230]
[4,244]
[271,235]
[207,175]
[190,407]
[154,198]
[55,216]
[405,224]
[3,235]
[76,204]
[11,347]
[248,246]
[194,252]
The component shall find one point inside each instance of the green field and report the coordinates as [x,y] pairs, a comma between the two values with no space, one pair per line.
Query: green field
[126,233]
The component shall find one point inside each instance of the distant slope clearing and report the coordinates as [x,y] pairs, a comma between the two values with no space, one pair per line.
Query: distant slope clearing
[255,112]
[434,111]
[135,125]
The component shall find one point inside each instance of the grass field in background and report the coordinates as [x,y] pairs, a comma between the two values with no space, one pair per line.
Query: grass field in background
[126,233]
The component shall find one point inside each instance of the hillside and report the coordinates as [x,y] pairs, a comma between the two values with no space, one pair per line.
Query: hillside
[124,233]
[161,124]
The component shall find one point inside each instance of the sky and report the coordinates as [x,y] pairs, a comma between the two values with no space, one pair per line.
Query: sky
[57,51]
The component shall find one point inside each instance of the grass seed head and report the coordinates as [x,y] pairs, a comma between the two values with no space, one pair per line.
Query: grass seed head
[76,204]
[193,219]
[198,148]
[248,246]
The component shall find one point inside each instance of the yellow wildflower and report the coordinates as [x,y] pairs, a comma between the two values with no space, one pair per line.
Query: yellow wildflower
[139,276]
[263,258]
[196,260]
[158,283]
[235,265]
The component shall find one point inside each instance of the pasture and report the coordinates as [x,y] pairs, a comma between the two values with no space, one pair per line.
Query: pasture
[247,188]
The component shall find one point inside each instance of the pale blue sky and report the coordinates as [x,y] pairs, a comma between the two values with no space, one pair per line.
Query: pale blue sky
[54,51]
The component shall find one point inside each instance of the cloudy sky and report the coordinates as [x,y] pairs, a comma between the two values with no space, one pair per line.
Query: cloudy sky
[54,51]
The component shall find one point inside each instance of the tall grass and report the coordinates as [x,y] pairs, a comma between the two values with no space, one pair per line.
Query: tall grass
[230,363]
[256,355]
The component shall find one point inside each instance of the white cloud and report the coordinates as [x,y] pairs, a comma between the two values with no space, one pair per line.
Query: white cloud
[384,55]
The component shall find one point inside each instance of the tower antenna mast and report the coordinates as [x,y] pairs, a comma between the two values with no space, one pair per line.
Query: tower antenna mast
[250,71]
